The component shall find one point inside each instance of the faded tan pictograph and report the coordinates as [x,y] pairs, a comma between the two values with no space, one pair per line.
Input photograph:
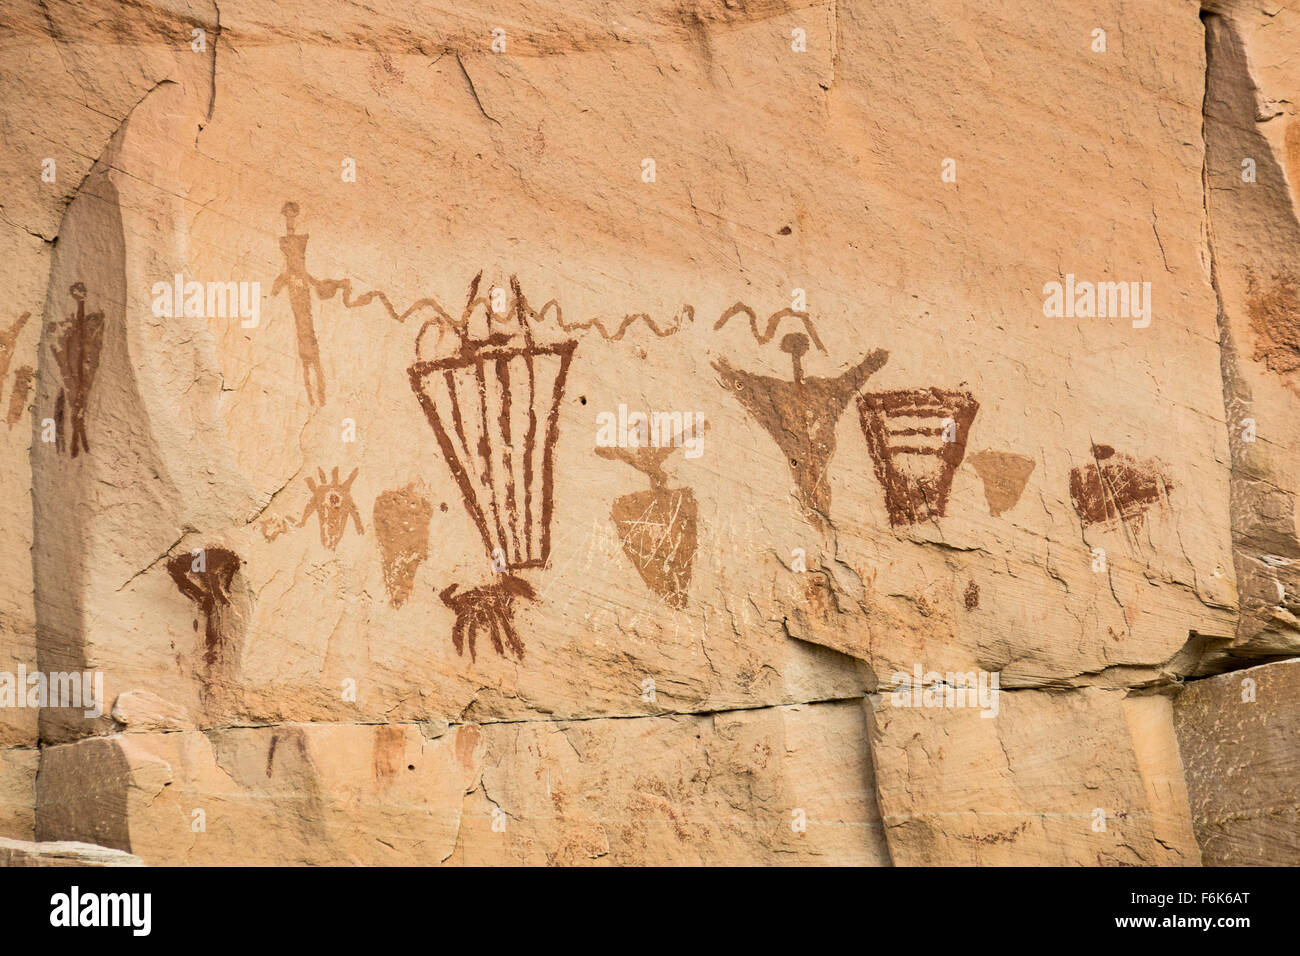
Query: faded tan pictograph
[658,528]
[384,76]
[801,413]
[517,309]
[23,375]
[1004,475]
[77,343]
[1118,490]
[468,739]
[916,438]
[331,502]
[1275,318]
[291,775]
[494,407]
[401,522]
[386,754]
[272,526]
[552,310]
[299,283]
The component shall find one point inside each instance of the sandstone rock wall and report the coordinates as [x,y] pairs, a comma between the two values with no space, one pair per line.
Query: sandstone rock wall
[370,562]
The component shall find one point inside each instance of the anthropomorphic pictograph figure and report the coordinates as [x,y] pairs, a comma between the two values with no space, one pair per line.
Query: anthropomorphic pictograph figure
[22,376]
[801,415]
[658,528]
[77,343]
[299,283]
[210,577]
[331,502]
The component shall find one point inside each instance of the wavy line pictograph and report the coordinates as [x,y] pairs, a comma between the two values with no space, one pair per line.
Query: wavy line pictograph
[773,321]
[297,280]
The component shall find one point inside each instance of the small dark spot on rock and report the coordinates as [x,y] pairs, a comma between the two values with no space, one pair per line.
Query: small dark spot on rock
[784,231]
[972,596]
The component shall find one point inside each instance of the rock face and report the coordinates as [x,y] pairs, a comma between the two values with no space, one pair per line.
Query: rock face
[763,433]
[1237,734]
[1081,777]
[63,853]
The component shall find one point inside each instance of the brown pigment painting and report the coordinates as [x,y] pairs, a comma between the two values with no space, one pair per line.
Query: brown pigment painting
[494,407]
[910,261]
[23,375]
[1116,488]
[331,502]
[401,521]
[207,577]
[917,438]
[22,388]
[658,527]
[801,415]
[1005,475]
[8,340]
[77,343]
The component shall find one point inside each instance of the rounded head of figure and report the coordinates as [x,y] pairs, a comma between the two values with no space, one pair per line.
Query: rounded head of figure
[78,290]
[290,212]
[796,343]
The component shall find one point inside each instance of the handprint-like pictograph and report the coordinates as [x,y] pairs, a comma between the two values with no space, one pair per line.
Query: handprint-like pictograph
[331,502]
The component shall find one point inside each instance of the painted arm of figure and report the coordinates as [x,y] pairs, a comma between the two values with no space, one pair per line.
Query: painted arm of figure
[649,461]
[94,344]
[315,501]
[733,377]
[7,339]
[58,347]
[858,375]
[346,489]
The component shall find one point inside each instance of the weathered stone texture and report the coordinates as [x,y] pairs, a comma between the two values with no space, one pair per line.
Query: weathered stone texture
[369,564]
[1237,733]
